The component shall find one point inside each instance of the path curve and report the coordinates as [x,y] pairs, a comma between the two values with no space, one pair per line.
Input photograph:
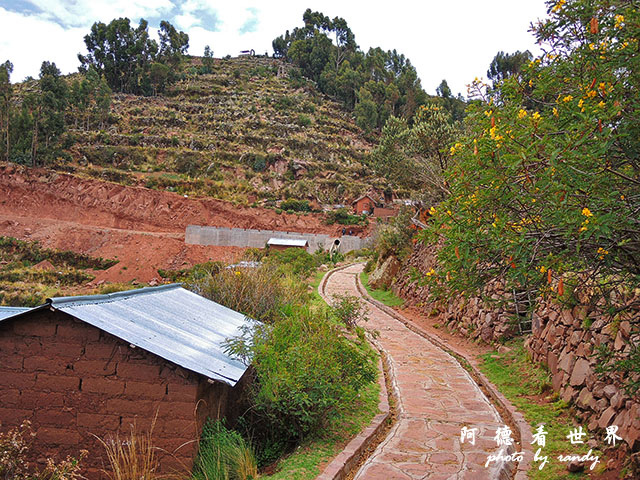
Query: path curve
[437,397]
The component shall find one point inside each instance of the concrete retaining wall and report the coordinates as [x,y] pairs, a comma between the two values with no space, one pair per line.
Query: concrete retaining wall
[240,237]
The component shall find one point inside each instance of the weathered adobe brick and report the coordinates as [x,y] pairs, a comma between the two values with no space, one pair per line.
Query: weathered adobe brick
[179,429]
[57,383]
[102,385]
[120,406]
[9,396]
[60,417]
[57,436]
[178,392]
[178,410]
[34,328]
[97,421]
[36,398]
[104,351]
[39,363]
[145,390]
[77,331]
[94,368]
[140,424]
[11,417]
[11,362]
[19,380]
[139,372]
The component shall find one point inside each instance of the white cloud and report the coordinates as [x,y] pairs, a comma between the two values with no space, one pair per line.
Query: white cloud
[84,12]
[455,40]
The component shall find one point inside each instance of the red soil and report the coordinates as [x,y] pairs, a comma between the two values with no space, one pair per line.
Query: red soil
[142,228]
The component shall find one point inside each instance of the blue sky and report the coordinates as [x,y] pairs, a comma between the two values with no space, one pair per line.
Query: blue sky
[455,40]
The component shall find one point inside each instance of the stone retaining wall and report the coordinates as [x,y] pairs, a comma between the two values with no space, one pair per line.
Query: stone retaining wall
[563,339]
[241,237]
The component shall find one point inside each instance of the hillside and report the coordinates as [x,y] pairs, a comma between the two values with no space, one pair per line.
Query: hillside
[242,133]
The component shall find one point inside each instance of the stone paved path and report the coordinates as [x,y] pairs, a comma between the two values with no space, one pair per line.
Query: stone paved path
[437,398]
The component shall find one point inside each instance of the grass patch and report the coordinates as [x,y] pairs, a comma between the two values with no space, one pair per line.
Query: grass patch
[307,459]
[314,283]
[383,296]
[528,388]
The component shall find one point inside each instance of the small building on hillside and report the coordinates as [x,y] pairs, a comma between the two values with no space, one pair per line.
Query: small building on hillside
[285,243]
[97,366]
[363,205]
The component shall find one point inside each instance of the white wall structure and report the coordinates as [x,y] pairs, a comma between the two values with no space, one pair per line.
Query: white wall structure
[241,237]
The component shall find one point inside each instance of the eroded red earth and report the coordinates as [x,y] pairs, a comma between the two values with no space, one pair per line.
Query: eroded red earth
[142,228]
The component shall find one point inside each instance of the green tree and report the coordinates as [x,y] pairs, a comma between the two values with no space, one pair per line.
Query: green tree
[417,156]
[5,108]
[121,53]
[207,61]
[547,180]
[173,45]
[505,65]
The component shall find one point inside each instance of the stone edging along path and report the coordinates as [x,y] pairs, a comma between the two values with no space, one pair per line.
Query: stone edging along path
[439,397]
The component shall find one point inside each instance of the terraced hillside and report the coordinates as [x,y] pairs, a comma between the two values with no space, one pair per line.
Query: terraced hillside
[242,133]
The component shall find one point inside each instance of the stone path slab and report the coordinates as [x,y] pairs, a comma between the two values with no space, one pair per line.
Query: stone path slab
[437,397]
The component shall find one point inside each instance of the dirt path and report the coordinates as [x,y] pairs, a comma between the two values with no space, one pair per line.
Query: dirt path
[437,398]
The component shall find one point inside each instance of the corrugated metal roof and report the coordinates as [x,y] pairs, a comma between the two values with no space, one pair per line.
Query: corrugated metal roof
[288,242]
[6,312]
[169,321]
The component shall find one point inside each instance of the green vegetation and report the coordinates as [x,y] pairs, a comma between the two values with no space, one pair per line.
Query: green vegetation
[344,217]
[383,296]
[304,462]
[23,285]
[374,85]
[223,454]
[528,387]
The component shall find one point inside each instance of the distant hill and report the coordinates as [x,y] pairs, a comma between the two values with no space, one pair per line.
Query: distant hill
[242,133]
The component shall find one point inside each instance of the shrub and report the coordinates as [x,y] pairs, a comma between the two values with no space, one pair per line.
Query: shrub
[303,120]
[295,205]
[260,293]
[223,454]
[343,217]
[306,370]
[294,261]
[394,238]
[349,310]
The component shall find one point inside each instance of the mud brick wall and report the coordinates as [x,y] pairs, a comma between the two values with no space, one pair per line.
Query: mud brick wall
[74,381]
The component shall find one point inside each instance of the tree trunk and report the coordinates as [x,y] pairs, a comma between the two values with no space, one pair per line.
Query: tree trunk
[34,141]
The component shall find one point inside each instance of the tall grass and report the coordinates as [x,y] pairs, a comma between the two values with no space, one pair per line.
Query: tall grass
[133,457]
[223,455]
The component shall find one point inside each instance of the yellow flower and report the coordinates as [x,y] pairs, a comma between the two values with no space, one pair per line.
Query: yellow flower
[601,104]
[432,211]
[592,46]
[555,112]
[580,103]
[568,98]
[431,272]
[536,116]
[522,113]
[558,6]
[238,272]
[488,113]
[619,19]
[586,212]
[543,269]
[531,83]
[591,93]
[621,197]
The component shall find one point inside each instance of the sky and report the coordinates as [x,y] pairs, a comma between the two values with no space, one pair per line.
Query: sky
[453,40]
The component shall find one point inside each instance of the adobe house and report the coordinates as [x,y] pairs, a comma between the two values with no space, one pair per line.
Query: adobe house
[363,204]
[80,367]
[285,243]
